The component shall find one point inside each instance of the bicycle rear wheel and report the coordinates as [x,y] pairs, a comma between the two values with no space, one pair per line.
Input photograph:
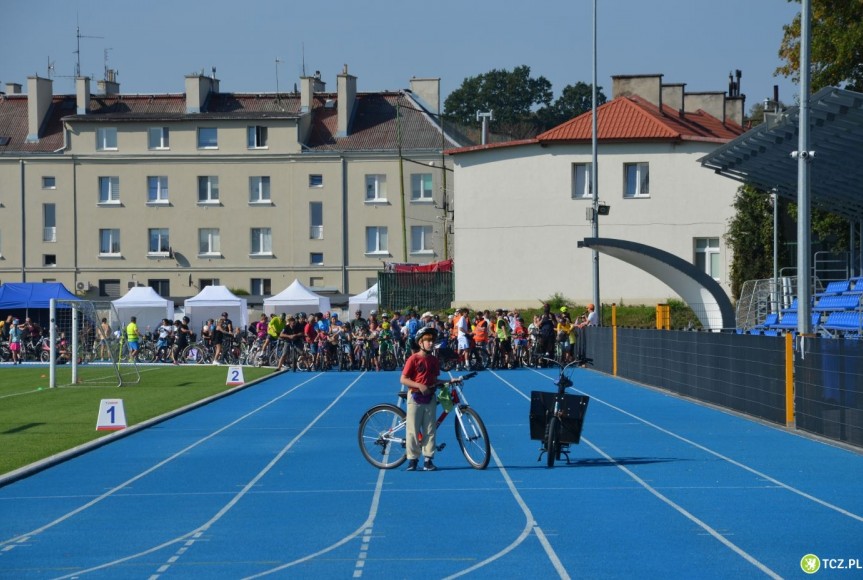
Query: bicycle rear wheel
[382,436]
[473,438]
[552,443]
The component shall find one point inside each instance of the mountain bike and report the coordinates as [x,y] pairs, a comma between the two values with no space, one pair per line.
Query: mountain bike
[556,419]
[383,429]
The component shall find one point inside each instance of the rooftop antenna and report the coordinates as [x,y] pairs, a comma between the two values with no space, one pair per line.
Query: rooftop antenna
[50,68]
[303,45]
[278,96]
[79,36]
[109,74]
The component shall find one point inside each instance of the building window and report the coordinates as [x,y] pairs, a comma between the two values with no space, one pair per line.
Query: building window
[157,189]
[204,282]
[208,138]
[257,137]
[371,282]
[162,287]
[421,240]
[208,242]
[582,186]
[158,138]
[259,189]
[49,260]
[316,259]
[109,190]
[49,222]
[421,187]
[316,180]
[49,182]
[261,287]
[376,240]
[109,242]
[106,139]
[109,288]
[208,189]
[376,188]
[636,180]
[316,282]
[707,258]
[159,242]
[316,220]
[262,242]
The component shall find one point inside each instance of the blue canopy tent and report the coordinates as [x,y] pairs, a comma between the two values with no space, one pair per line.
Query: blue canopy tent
[19,298]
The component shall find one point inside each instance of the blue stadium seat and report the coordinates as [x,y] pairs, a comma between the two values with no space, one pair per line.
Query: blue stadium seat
[837,287]
[837,302]
[789,321]
[846,322]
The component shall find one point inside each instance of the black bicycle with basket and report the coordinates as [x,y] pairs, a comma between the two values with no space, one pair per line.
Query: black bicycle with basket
[556,419]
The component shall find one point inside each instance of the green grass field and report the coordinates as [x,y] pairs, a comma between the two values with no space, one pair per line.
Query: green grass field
[37,422]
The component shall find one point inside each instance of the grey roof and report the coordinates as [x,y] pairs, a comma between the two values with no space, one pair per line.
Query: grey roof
[762,156]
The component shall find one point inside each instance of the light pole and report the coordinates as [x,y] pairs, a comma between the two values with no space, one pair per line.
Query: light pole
[594,180]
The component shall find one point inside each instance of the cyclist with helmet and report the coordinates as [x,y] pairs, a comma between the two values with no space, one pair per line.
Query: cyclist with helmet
[420,376]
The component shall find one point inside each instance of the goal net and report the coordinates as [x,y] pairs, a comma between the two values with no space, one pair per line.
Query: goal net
[88,346]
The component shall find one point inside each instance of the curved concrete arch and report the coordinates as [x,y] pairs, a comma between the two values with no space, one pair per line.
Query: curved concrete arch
[695,287]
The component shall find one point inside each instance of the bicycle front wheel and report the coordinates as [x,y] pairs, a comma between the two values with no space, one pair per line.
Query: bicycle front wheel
[382,436]
[473,438]
[552,443]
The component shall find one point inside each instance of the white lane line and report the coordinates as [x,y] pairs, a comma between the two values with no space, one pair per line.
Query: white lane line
[365,528]
[199,531]
[703,525]
[110,492]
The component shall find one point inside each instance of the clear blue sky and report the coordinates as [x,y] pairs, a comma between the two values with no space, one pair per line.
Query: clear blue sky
[155,44]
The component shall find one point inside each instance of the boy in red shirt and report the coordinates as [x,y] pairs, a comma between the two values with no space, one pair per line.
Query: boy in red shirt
[420,376]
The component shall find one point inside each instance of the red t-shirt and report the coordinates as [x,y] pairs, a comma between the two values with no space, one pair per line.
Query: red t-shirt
[422,369]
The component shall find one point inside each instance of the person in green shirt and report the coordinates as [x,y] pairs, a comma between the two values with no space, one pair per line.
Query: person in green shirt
[132,338]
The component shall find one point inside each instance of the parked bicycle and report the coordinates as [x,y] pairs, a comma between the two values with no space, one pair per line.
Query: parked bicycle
[383,429]
[556,419]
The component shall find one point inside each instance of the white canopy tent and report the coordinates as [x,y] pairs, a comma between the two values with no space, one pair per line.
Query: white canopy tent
[211,302]
[146,306]
[365,301]
[296,298]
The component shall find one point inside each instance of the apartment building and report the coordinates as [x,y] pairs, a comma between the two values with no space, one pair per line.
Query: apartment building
[103,191]
[525,205]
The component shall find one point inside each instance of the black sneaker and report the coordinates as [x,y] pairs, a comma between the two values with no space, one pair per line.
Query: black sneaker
[412,464]
[429,466]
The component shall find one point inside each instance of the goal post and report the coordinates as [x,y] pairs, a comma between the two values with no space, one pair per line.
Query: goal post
[86,345]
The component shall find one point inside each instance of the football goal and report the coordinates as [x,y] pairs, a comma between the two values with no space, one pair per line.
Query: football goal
[88,346]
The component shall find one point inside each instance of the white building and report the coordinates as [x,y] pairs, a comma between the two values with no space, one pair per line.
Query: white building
[522,206]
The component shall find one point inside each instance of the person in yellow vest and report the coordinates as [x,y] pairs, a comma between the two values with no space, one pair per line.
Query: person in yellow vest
[132,338]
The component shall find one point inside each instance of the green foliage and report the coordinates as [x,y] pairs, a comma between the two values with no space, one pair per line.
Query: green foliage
[750,238]
[522,105]
[836,48]
[239,291]
[37,422]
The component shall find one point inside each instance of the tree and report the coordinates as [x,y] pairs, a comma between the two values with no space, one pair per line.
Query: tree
[572,102]
[750,238]
[511,95]
[836,48]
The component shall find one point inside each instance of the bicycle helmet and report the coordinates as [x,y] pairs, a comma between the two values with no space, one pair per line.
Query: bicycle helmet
[424,331]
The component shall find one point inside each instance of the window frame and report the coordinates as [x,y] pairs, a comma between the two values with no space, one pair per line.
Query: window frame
[212,142]
[257,137]
[710,253]
[213,243]
[106,139]
[316,230]
[161,189]
[316,180]
[49,182]
[375,184]
[426,237]
[313,262]
[262,236]
[109,185]
[208,184]
[642,177]
[379,249]
[582,172]
[419,194]
[163,240]
[264,286]
[260,192]
[114,247]
[160,134]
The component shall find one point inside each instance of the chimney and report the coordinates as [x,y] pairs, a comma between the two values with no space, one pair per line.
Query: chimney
[648,87]
[672,95]
[347,94]
[734,108]
[109,85]
[428,93]
[198,88]
[308,87]
[82,94]
[13,88]
[39,95]
[712,103]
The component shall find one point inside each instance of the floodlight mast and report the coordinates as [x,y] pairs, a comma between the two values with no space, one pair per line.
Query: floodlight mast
[804,158]
[594,181]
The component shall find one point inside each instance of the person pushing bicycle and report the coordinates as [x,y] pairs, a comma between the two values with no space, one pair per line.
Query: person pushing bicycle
[420,376]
